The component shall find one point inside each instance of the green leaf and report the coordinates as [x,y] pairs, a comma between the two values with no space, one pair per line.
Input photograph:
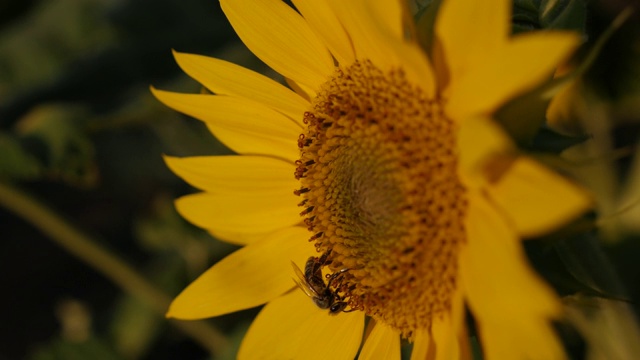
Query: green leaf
[549,14]
[15,162]
[548,140]
[575,263]
[425,21]
[583,257]
[67,151]
[523,116]
[563,14]
[525,15]
[134,327]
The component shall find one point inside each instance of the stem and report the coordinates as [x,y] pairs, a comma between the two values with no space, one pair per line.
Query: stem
[99,258]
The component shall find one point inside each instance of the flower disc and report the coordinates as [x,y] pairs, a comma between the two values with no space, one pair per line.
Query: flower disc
[381,191]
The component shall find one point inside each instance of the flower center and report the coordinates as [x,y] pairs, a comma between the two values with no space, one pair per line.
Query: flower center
[381,192]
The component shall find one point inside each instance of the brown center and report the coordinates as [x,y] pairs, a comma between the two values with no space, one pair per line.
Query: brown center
[380,189]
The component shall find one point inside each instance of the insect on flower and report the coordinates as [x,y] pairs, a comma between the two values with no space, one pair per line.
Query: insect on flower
[314,286]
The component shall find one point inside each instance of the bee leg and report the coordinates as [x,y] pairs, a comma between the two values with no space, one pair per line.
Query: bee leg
[343,299]
[335,276]
[323,258]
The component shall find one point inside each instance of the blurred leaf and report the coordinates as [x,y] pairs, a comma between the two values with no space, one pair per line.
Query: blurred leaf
[548,140]
[525,15]
[573,261]
[583,257]
[15,162]
[59,349]
[235,339]
[134,327]
[549,14]
[67,151]
[628,217]
[163,230]
[608,326]
[418,6]
[476,349]
[563,14]
[425,25]
[37,48]
[523,116]
[179,252]
[609,78]
[166,233]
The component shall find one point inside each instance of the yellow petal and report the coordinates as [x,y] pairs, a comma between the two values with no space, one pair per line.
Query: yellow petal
[458,312]
[563,113]
[236,173]
[325,24]
[238,237]
[536,199]
[461,342]
[523,63]
[445,338]
[495,271]
[512,306]
[421,345]
[383,343]
[534,340]
[249,277]
[244,126]
[292,327]
[362,28]
[375,28]
[253,213]
[280,37]
[302,91]
[479,140]
[225,78]
[469,32]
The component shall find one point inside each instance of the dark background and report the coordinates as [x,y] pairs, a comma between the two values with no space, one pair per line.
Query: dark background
[75,107]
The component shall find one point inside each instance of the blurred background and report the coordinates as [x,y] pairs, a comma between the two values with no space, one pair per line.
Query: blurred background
[91,249]
[82,137]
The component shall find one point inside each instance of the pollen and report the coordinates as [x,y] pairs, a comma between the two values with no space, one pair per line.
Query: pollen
[381,193]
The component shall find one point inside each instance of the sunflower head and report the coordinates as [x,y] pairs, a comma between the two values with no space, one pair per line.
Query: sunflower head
[410,199]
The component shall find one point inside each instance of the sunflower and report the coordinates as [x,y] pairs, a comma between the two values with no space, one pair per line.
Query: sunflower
[380,166]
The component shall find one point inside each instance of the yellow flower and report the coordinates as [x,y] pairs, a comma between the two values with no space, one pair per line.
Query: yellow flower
[387,160]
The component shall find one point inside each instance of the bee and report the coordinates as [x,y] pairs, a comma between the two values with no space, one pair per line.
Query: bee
[313,285]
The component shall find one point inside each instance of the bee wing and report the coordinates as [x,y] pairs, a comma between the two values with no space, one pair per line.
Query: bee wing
[302,282]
